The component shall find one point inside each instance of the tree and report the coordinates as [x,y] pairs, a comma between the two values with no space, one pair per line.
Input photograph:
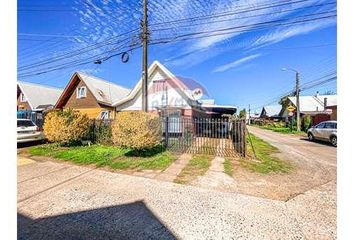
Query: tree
[242,113]
[284,99]
[329,92]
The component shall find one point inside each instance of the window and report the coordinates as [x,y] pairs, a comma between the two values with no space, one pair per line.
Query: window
[22,97]
[25,123]
[104,115]
[321,125]
[81,92]
[331,125]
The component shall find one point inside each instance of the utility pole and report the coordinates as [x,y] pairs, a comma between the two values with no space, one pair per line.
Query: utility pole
[297,92]
[144,39]
[249,114]
[298,120]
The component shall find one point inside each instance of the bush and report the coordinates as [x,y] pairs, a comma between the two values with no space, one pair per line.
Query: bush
[306,124]
[137,130]
[65,127]
[100,131]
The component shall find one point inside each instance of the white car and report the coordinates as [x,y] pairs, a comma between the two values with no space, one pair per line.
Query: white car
[325,131]
[27,131]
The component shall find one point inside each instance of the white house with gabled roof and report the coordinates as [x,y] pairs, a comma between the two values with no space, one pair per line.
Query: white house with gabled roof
[172,95]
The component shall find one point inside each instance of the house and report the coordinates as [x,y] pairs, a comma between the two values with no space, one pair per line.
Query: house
[91,95]
[35,97]
[271,112]
[33,100]
[170,95]
[314,106]
[252,118]
[333,109]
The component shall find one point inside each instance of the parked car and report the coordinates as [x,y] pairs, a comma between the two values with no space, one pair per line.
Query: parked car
[28,131]
[325,131]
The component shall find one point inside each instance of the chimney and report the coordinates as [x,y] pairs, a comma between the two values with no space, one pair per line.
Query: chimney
[317,93]
[325,102]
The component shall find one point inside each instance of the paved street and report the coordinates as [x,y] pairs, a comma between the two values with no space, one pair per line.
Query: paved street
[64,201]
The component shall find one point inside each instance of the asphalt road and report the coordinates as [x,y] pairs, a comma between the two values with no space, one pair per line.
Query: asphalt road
[63,201]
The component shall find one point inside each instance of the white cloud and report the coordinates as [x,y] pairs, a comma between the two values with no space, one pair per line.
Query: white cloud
[286,32]
[236,63]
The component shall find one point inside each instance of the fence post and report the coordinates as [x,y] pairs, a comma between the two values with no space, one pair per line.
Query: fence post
[243,122]
[166,132]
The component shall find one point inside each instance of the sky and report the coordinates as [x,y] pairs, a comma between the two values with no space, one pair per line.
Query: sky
[236,49]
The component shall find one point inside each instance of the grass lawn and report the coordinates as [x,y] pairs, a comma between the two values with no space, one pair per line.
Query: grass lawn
[284,130]
[197,166]
[265,162]
[228,169]
[102,155]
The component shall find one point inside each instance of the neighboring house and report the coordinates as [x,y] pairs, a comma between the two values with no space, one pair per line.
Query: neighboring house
[33,100]
[35,97]
[314,106]
[271,112]
[91,95]
[252,118]
[333,109]
[171,95]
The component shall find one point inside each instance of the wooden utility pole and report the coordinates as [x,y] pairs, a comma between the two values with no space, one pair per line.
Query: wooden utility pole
[297,93]
[298,120]
[249,114]
[144,39]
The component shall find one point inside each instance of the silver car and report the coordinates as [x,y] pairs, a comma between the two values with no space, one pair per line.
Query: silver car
[27,131]
[325,131]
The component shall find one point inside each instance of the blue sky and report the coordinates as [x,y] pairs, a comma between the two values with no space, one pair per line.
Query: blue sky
[239,68]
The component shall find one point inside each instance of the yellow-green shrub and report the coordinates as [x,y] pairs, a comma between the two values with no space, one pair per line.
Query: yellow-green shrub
[65,127]
[136,130]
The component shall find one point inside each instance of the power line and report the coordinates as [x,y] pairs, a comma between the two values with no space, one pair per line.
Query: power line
[226,13]
[76,52]
[227,29]
[244,17]
[232,30]
[75,63]
[302,88]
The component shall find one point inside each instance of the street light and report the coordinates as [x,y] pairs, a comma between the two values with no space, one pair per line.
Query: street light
[297,76]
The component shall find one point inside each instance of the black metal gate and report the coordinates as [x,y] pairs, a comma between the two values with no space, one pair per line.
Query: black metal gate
[213,136]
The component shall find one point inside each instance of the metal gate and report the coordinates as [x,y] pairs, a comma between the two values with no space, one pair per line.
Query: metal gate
[212,136]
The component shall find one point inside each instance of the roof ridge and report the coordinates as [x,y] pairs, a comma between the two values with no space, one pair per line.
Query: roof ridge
[40,85]
[103,80]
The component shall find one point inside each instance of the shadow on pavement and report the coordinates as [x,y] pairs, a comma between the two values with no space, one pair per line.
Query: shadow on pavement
[29,144]
[127,221]
[317,141]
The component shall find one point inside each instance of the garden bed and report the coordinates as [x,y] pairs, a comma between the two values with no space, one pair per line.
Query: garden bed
[108,156]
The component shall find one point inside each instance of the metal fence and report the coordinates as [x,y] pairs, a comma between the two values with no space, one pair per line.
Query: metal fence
[214,136]
[36,117]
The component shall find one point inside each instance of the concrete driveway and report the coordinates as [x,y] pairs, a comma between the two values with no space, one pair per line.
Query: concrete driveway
[63,201]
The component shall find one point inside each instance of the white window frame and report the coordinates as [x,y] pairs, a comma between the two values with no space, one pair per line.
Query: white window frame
[80,94]
[104,115]
[23,97]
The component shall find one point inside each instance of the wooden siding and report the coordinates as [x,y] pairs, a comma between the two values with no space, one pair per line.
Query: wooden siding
[92,113]
[77,103]
[88,104]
